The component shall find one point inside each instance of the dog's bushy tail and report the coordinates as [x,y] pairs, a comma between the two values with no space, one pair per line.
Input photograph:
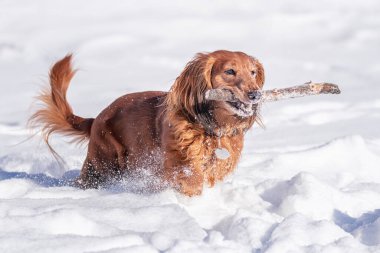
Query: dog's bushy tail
[56,115]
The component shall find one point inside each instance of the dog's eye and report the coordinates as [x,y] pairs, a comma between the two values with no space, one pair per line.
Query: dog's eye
[230,72]
[253,73]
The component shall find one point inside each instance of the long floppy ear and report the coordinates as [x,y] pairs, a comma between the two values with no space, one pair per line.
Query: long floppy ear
[187,93]
[260,77]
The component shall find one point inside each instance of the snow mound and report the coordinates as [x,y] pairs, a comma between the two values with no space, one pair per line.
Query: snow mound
[308,182]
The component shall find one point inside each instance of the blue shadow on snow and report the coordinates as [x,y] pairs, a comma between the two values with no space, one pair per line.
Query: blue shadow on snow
[42,179]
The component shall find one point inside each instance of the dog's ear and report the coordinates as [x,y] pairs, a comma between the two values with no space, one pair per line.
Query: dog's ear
[188,91]
[260,77]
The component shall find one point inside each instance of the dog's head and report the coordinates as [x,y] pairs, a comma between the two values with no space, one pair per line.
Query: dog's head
[237,72]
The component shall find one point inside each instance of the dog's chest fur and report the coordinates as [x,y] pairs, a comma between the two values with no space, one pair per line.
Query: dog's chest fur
[215,168]
[193,149]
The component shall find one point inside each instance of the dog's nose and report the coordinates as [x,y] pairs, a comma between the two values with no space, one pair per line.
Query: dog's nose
[254,96]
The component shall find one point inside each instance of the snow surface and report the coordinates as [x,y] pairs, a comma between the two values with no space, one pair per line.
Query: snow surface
[308,182]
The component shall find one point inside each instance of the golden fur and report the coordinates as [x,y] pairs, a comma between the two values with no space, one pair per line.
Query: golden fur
[173,133]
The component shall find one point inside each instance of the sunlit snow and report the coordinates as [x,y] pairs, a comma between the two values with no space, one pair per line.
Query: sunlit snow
[307,182]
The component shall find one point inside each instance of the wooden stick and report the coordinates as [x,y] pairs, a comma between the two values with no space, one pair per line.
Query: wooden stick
[306,89]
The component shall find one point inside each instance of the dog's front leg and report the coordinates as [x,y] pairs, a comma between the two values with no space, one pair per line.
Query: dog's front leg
[190,182]
[184,177]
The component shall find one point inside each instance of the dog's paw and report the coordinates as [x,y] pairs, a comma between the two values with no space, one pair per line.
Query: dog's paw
[190,186]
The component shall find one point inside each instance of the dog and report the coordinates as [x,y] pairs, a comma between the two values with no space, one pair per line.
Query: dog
[177,134]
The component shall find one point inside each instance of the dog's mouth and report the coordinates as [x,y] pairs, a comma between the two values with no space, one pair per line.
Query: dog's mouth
[242,109]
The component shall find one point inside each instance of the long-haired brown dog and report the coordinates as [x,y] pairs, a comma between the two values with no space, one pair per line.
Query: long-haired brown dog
[175,133]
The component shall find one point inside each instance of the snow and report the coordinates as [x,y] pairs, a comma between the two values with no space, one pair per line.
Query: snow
[308,182]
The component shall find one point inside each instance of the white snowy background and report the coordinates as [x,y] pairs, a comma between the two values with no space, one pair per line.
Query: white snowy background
[308,182]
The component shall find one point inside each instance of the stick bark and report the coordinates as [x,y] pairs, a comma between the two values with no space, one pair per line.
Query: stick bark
[306,89]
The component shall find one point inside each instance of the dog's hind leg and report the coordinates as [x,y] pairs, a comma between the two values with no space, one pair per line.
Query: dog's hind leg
[89,176]
[106,159]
